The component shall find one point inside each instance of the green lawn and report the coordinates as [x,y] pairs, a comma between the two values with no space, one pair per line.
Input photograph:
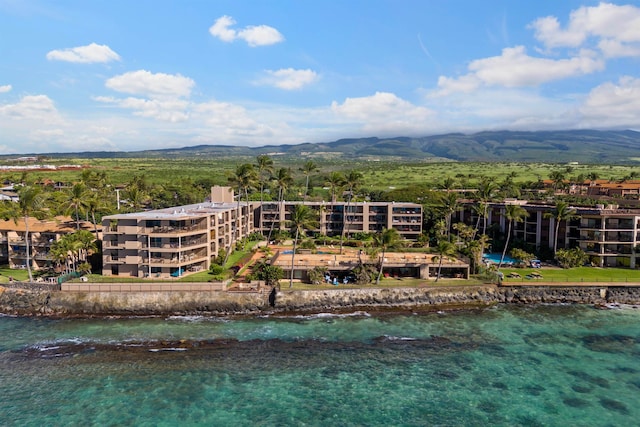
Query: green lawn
[20,275]
[578,274]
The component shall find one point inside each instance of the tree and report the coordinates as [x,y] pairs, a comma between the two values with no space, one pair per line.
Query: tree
[569,258]
[557,177]
[352,182]
[307,169]
[282,180]
[95,204]
[444,249]
[78,197]
[30,204]
[561,212]
[388,238]
[448,205]
[271,274]
[335,181]
[136,197]
[243,179]
[264,167]
[302,218]
[486,189]
[513,213]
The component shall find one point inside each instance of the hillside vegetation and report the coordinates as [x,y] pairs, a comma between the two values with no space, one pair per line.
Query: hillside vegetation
[583,146]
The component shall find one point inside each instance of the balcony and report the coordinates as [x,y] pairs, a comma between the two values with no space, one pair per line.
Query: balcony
[132,244]
[168,229]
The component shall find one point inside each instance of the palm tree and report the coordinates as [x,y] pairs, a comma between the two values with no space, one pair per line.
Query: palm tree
[444,249]
[335,181]
[30,204]
[387,239]
[264,167]
[95,203]
[352,181]
[282,180]
[485,192]
[243,179]
[302,218]
[77,200]
[60,254]
[449,204]
[557,177]
[86,243]
[561,212]
[513,213]
[308,168]
[136,197]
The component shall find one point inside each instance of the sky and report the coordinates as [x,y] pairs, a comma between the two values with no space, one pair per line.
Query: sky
[114,75]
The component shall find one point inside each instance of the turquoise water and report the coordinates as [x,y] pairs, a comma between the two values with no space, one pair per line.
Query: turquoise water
[495,258]
[505,366]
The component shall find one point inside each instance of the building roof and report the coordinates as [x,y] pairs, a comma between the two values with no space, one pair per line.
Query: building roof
[60,224]
[180,212]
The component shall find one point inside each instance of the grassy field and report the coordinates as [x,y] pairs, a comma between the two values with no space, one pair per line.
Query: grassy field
[20,275]
[578,274]
[378,175]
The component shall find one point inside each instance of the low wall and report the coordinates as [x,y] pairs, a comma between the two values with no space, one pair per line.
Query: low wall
[56,303]
[144,287]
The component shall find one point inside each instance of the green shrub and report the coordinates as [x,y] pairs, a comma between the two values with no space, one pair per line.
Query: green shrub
[317,275]
[569,258]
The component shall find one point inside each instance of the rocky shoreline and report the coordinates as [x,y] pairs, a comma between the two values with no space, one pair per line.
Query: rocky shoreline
[43,302]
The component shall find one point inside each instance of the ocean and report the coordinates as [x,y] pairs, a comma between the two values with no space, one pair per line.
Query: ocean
[503,366]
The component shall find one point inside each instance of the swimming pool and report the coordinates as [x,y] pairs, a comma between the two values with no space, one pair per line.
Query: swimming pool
[495,259]
[289,252]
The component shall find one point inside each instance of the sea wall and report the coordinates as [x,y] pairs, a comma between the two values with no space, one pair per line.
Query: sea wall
[57,303]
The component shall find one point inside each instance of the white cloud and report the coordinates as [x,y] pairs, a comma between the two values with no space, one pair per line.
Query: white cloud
[158,85]
[618,26]
[89,54]
[5,88]
[259,35]
[613,105]
[514,68]
[289,78]
[32,107]
[385,113]
[172,110]
[221,30]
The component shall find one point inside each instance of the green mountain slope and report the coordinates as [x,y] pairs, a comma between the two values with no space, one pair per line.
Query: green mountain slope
[584,146]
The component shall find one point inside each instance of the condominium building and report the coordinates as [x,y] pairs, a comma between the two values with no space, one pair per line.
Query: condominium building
[174,241]
[608,234]
[360,217]
[42,235]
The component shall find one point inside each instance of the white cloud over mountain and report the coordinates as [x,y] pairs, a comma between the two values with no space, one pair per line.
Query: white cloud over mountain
[615,27]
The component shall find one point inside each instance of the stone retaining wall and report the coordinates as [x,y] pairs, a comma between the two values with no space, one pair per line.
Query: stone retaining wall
[26,302]
[144,287]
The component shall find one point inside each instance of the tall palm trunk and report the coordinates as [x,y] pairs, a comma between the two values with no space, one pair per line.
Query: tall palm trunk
[555,238]
[26,241]
[345,223]
[381,267]
[506,243]
[272,221]
[293,257]
[439,267]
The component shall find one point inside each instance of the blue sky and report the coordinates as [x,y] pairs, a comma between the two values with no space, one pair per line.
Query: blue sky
[80,75]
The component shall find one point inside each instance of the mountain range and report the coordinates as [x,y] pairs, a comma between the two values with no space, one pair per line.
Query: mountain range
[583,146]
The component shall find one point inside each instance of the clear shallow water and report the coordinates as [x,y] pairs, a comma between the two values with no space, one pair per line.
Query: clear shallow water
[547,365]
